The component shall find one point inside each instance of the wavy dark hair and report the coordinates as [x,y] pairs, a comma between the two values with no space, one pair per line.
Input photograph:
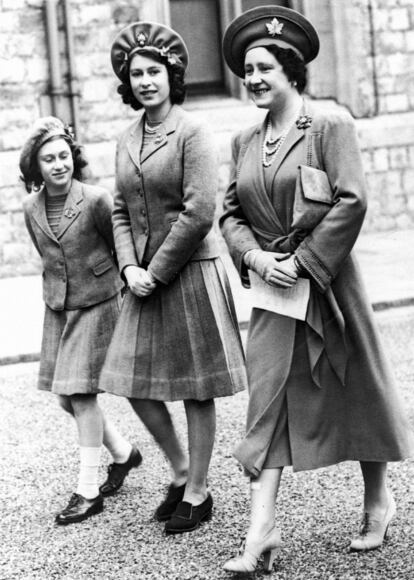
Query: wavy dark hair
[175,72]
[34,179]
[293,66]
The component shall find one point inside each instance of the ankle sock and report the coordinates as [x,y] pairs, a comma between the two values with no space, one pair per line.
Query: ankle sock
[88,472]
[117,446]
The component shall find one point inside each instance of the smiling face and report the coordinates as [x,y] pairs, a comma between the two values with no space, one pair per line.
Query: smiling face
[265,80]
[55,163]
[150,84]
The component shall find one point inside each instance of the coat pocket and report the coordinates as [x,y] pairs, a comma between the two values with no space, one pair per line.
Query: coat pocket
[313,198]
[102,266]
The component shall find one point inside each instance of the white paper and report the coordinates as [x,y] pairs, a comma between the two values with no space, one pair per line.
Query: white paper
[291,302]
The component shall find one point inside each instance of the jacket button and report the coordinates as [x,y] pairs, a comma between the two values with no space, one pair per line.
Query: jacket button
[146,232]
[143,212]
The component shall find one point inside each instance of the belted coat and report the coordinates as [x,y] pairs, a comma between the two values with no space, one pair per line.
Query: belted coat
[79,267]
[352,409]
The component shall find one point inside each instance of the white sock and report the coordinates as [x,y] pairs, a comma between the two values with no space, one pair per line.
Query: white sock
[88,472]
[118,447]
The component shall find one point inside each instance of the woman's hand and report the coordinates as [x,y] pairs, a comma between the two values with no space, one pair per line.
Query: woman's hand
[273,267]
[139,281]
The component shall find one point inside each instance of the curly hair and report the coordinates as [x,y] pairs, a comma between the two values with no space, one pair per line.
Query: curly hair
[175,72]
[293,66]
[33,178]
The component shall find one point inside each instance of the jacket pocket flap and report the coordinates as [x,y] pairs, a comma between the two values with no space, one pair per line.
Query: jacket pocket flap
[102,266]
[315,184]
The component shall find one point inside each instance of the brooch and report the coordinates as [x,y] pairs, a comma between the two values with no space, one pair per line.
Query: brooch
[303,122]
[70,212]
[274,27]
[141,39]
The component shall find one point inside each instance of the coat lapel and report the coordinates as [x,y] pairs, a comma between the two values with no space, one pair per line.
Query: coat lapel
[161,138]
[253,164]
[134,141]
[71,208]
[294,135]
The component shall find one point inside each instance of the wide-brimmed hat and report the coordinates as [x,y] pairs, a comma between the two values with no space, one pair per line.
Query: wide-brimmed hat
[267,25]
[43,129]
[147,35]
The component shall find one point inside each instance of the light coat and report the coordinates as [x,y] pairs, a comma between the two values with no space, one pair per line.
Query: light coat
[352,411]
[79,268]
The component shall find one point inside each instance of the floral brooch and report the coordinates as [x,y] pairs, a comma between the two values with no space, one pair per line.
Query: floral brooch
[304,121]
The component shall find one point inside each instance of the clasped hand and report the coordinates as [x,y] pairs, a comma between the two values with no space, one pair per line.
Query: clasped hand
[139,281]
[275,268]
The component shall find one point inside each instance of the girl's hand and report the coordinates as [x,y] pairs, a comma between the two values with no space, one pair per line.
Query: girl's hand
[273,267]
[139,281]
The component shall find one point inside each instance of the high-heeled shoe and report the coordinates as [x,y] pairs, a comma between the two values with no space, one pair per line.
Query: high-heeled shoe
[373,531]
[246,561]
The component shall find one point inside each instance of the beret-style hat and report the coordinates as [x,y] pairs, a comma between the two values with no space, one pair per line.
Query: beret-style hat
[43,129]
[264,26]
[147,35]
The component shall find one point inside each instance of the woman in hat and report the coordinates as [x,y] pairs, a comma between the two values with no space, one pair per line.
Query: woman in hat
[321,391]
[177,335]
[69,223]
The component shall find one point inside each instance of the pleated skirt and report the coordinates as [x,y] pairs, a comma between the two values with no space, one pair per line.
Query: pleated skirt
[181,342]
[74,347]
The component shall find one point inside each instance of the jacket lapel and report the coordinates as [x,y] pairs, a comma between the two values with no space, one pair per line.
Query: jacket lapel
[161,139]
[39,213]
[134,141]
[71,208]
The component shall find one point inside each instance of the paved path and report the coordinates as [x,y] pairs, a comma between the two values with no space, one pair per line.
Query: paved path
[387,261]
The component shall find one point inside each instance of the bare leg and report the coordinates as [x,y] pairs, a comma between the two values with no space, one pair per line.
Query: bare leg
[376,496]
[262,537]
[379,507]
[89,421]
[118,447]
[263,494]
[201,420]
[157,419]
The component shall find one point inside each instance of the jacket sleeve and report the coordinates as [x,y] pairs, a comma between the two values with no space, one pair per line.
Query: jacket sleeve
[102,216]
[324,250]
[233,223]
[199,186]
[122,231]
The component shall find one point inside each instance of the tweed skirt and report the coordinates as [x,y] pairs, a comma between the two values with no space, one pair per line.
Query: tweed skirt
[74,347]
[181,342]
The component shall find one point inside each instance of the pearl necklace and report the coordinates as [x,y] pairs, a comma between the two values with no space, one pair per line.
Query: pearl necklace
[271,147]
[151,128]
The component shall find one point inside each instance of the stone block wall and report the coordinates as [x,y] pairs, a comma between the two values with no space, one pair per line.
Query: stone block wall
[393,23]
[386,134]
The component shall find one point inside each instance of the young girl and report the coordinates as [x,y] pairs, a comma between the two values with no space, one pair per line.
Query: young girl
[70,225]
[177,336]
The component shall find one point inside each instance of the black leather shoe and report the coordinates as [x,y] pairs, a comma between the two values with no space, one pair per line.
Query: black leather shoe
[79,508]
[166,509]
[187,517]
[117,472]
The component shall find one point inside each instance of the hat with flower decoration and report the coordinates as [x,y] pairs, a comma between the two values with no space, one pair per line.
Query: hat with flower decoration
[151,36]
[267,25]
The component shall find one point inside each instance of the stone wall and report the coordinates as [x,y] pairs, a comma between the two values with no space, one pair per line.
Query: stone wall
[386,133]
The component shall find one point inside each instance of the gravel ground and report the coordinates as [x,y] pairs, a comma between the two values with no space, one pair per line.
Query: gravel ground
[318,511]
